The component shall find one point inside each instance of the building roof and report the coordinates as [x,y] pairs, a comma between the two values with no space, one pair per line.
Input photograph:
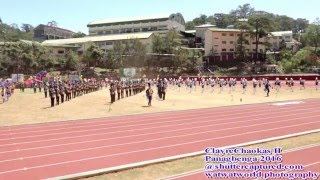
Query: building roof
[98,38]
[128,19]
[224,30]
[205,26]
[190,31]
[52,27]
[281,33]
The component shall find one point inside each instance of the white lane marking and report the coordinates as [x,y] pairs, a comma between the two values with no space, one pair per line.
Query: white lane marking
[141,119]
[152,123]
[288,103]
[136,117]
[144,141]
[156,148]
[172,125]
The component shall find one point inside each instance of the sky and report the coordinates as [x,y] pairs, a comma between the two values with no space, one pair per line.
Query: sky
[76,14]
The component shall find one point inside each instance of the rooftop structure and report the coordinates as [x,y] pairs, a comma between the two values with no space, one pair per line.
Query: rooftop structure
[137,24]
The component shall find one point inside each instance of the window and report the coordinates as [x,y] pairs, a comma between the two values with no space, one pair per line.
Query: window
[238,35]
[247,50]
[224,34]
[61,52]
[216,38]
[280,37]
[224,50]
[216,45]
[224,42]
[254,50]
[109,43]
[145,29]
[231,34]
[136,30]
[128,30]
[101,43]
[287,37]
[231,42]
[231,50]
[107,32]
[247,35]
[115,31]
[154,28]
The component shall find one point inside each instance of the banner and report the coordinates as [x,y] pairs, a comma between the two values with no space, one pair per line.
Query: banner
[129,72]
[17,77]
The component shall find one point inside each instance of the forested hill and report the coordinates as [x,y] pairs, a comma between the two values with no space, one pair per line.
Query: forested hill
[279,22]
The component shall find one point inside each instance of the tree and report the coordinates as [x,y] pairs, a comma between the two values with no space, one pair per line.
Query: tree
[221,20]
[93,55]
[241,52]
[243,12]
[172,41]
[300,25]
[118,51]
[261,26]
[53,24]
[71,60]
[200,20]
[312,35]
[78,35]
[190,25]
[27,28]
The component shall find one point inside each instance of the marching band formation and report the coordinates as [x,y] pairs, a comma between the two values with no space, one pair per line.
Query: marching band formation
[61,91]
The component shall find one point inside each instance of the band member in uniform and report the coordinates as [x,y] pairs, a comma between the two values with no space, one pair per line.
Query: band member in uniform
[254,82]
[45,88]
[130,88]
[230,82]
[277,84]
[40,86]
[52,94]
[244,85]
[35,87]
[122,89]
[149,93]
[57,93]
[126,89]
[113,92]
[317,83]
[118,90]
[267,87]
[302,82]
[202,85]
[62,92]
[291,84]
[163,90]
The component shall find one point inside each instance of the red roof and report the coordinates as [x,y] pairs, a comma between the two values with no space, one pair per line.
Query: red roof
[55,28]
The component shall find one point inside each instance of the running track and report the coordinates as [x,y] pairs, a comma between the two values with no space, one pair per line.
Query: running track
[308,156]
[50,150]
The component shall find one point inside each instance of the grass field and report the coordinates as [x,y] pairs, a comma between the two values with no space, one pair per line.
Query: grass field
[29,107]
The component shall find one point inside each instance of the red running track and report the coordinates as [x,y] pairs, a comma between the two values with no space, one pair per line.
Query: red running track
[42,151]
[308,156]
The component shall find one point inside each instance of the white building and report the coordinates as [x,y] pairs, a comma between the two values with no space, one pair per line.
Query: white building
[137,24]
[279,37]
[104,42]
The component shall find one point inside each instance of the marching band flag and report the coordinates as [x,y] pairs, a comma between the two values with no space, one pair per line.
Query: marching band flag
[40,75]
